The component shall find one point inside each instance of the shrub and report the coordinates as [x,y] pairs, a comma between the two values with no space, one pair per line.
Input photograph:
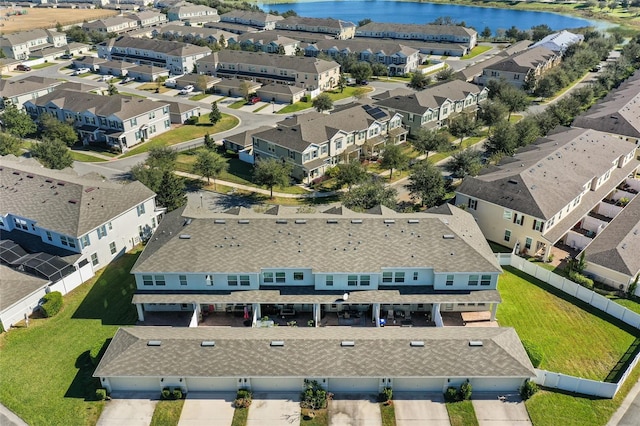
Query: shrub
[451,394]
[528,390]
[314,396]
[166,394]
[101,394]
[177,393]
[464,393]
[52,303]
[534,352]
[243,399]
[581,279]
[192,120]
[385,395]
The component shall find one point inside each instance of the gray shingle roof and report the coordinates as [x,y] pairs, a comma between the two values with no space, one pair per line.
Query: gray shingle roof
[21,37]
[29,84]
[293,21]
[172,48]
[416,28]
[249,15]
[298,63]
[245,138]
[62,201]
[524,61]
[374,46]
[430,98]
[315,353]
[344,246]
[15,286]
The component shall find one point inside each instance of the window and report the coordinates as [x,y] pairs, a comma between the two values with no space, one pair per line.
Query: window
[352,280]
[518,219]
[160,280]
[329,280]
[208,279]
[140,209]
[86,242]
[508,214]
[538,225]
[244,280]
[472,204]
[267,277]
[449,280]
[20,223]
[399,277]
[280,277]
[147,280]
[153,222]
[64,240]
[112,247]
[102,231]
[232,280]
[507,235]
[527,243]
[298,276]
[365,280]
[415,276]
[387,277]
[49,237]
[109,226]
[94,259]
[485,280]
[183,279]
[473,279]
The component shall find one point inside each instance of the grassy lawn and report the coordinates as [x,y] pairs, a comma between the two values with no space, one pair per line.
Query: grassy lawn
[167,413]
[199,96]
[461,413]
[240,416]
[575,338]
[321,418]
[335,95]
[185,133]
[629,304]
[45,65]
[388,414]
[46,370]
[153,87]
[515,118]
[478,50]
[86,158]
[498,248]
[238,104]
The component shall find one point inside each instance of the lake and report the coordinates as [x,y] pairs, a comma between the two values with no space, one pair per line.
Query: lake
[421,13]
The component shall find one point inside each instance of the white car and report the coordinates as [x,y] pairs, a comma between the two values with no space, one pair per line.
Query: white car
[106,77]
[186,90]
[81,71]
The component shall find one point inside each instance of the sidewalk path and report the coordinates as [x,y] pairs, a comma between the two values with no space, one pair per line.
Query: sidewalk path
[9,418]
[628,414]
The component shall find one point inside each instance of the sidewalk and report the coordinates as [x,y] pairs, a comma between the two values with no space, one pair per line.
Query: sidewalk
[629,412]
[9,418]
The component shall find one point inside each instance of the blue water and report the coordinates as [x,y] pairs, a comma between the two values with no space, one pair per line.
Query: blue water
[421,13]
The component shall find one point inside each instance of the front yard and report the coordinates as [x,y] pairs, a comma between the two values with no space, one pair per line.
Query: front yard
[335,95]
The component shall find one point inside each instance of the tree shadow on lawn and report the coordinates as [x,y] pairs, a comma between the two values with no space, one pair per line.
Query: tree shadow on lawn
[84,385]
[109,299]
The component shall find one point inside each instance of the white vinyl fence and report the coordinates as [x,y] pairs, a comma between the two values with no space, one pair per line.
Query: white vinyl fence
[562,381]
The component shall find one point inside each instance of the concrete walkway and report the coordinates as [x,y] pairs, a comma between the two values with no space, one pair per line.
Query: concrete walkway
[9,418]
[628,414]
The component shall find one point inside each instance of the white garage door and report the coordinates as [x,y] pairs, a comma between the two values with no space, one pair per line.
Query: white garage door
[418,384]
[211,384]
[266,384]
[357,384]
[135,383]
[489,384]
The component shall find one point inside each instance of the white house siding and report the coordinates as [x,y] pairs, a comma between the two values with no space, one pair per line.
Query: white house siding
[211,384]
[418,384]
[610,277]
[134,384]
[354,384]
[288,384]
[71,281]
[487,384]
[16,312]
[196,281]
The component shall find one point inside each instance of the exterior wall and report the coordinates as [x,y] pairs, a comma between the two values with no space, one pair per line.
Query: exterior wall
[17,311]
[612,278]
[20,99]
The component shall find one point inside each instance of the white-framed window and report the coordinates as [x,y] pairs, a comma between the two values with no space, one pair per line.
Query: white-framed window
[49,236]
[280,277]
[473,280]
[527,243]
[208,279]
[147,280]
[298,276]
[183,279]
[140,209]
[415,276]
[518,219]
[538,225]
[160,280]
[94,259]
[102,231]
[507,235]
[399,277]
[485,280]
[507,215]
[267,277]
[112,247]
[387,277]
[365,280]
[244,280]
[329,280]
[352,280]
[449,280]
[232,280]
[472,204]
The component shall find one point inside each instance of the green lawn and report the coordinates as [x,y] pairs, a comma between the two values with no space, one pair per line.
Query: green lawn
[86,158]
[388,414]
[238,104]
[240,416]
[153,87]
[478,50]
[46,370]
[574,338]
[167,413]
[199,96]
[45,65]
[629,304]
[185,133]
[335,95]
[461,413]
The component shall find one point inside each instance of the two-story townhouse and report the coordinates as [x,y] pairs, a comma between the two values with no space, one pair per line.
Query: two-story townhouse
[149,18]
[309,73]
[58,211]
[268,42]
[20,45]
[192,34]
[563,189]
[398,58]
[427,32]
[521,68]
[179,58]
[337,28]
[120,121]
[114,24]
[560,41]
[193,13]
[431,107]
[262,20]
[314,142]
[17,92]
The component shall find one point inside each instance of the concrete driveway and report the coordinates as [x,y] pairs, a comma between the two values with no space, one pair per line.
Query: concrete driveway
[129,408]
[354,410]
[492,412]
[210,408]
[274,409]
[414,409]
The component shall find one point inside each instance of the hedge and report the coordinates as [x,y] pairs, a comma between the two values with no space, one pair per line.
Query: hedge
[52,304]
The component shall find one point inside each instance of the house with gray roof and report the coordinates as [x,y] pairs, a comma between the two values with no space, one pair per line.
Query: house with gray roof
[431,108]
[521,68]
[193,13]
[242,141]
[190,34]
[20,293]
[281,93]
[148,18]
[118,121]
[353,359]
[180,112]
[565,189]
[17,92]
[314,142]
[336,28]
[114,24]
[424,32]
[258,19]
[559,42]
[84,219]
[268,42]
[22,44]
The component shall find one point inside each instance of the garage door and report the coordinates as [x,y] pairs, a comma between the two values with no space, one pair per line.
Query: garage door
[135,383]
[266,384]
[490,384]
[353,385]
[418,384]
[209,384]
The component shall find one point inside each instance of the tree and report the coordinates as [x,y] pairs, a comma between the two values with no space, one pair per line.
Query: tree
[201,83]
[515,99]
[342,82]
[350,174]
[322,102]
[492,112]
[215,115]
[10,144]
[245,89]
[426,183]
[52,128]
[210,165]
[393,158]
[419,81]
[379,70]
[150,177]
[364,22]
[52,153]
[504,139]
[462,126]
[271,172]
[77,34]
[486,33]
[361,71]
[281,50]
[528,131]
[445,75]
[162,158]
[172,191]
[370,194]
[538,32]
[17,122]
[426,140]
[209,142]
[463,163]
[112,90]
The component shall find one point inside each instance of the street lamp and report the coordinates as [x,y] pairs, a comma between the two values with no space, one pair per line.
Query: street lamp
[273,107]
[201,200]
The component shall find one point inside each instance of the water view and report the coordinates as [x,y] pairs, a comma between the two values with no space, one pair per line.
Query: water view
[420,13]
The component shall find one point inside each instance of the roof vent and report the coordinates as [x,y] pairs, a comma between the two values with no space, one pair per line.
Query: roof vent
[389,221]
[277,343]
[48,180]
[187,222]
[301,221]
[347,343]
[475,343]
[332,221]
[356,220]
[513,181]
[88,189]
[448,236]
[219,221]
[281,221]
[207,343]
[243,221]
[154,342]
[417,343]
[413,221]
[30,176]
[185,237]
[61,183]
[73,201]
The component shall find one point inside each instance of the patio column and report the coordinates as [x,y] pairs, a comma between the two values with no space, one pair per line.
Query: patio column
[316,315]
[140,310]
[376,314]
[494,309]
[256,314]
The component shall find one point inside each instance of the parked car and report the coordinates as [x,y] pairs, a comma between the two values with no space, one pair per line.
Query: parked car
[126,80]
[186,90]
[80,71]
[254,100]
[66,56]
[22,67]
[106,77]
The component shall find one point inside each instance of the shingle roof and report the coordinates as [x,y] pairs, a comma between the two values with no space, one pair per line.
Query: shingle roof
[15,286]
[281,88]
[388,48]
[62,201]
[180,107]
[430,98]
[558,42]
[266,37]
[245,138]
[249,15]
[416,29]
[29,84]
[292,21]
[172,48]
[524,61]
[247,352]
[298,63]
[26,36]
[345,246]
